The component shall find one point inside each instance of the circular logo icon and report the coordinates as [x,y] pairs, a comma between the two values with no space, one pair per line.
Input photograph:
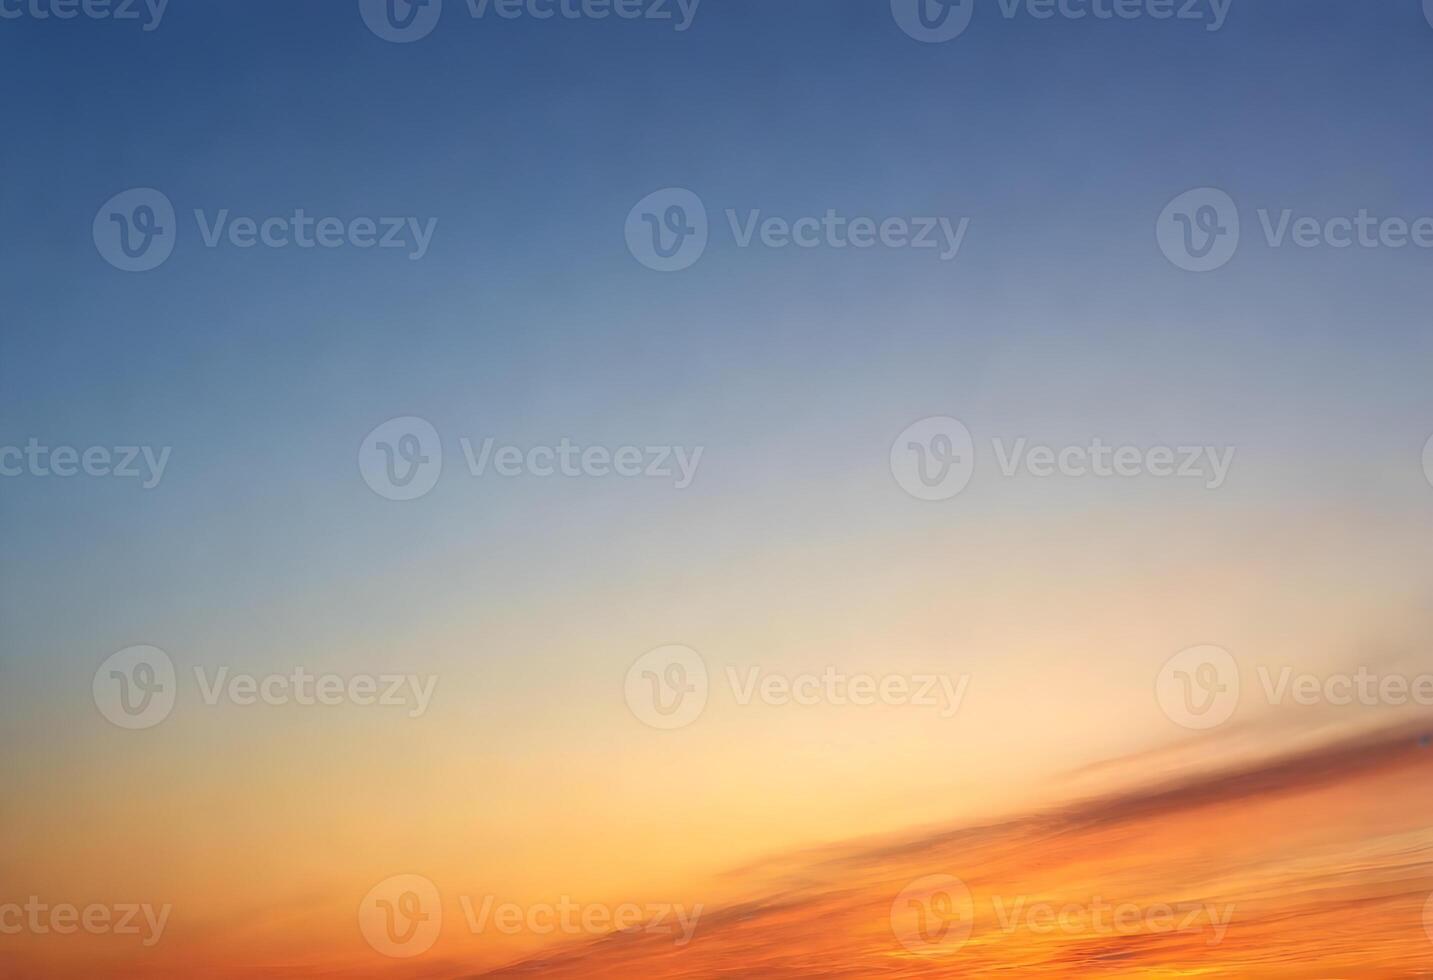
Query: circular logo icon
[1198,231]
[667,687]
[402,916]
[135,231]
[667,230]
[401,21]
[933,21]
[1428,11]
[934,914]
[1428,460]
[933,459]
[1428,905]
[1198,688]
[136,687]
[401,459]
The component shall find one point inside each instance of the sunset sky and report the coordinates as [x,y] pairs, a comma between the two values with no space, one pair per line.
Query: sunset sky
[529,778]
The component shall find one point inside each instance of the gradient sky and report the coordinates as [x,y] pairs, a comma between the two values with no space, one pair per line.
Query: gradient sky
[529,321]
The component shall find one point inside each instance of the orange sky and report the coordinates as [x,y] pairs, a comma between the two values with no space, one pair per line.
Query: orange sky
[1296,866]
[1302,859]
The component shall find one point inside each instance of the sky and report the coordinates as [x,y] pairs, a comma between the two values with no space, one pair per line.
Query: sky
[512,158]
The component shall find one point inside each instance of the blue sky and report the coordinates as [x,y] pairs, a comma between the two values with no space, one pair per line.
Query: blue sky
[528,142]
